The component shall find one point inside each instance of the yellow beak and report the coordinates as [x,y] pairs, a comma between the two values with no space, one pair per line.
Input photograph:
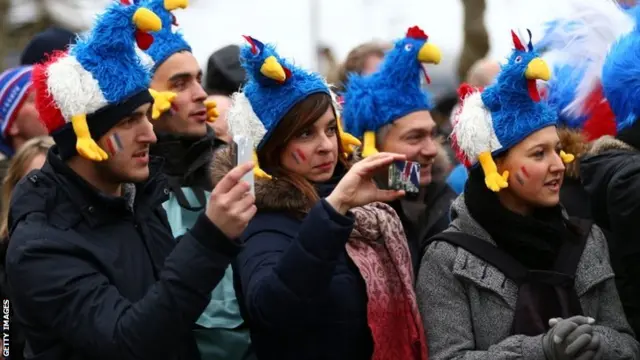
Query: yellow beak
[146,20]
[537,70]
[175,4]
[272,69]
[429,53]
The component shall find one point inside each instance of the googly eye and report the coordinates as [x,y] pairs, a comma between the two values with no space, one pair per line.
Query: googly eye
[408,47]
[518,59]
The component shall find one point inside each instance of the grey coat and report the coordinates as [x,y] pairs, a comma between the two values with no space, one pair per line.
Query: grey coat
[468,306]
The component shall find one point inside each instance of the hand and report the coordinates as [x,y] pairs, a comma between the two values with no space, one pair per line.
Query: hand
[357,187]
[594,350]
[567,337]
[231,206]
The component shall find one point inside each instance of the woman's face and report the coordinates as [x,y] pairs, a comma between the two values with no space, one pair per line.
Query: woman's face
[535,170]
[313,153]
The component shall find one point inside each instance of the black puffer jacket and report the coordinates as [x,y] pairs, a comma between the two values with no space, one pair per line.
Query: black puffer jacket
[611,175]
[93,276]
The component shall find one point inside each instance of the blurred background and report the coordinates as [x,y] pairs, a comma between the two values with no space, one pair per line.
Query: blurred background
[315,33]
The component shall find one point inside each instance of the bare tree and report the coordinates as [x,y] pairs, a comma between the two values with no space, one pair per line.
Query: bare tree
[475,45]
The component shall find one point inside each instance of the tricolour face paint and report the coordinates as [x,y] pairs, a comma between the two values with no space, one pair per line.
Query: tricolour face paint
[298,156]
[114,144]
[521,175]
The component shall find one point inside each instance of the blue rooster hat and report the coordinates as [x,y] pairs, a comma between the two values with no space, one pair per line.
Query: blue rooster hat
[274,85]
[490,122]
[81,94]
[393,91]
[168,40]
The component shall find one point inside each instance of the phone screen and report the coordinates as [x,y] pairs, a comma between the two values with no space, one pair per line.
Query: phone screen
[404,175]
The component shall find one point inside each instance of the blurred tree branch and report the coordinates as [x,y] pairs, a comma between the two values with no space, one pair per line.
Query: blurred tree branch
[475,44]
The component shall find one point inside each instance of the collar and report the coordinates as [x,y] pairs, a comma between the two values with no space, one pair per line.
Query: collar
[96,207]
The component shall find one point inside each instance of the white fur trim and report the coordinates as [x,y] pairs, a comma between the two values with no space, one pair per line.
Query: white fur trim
[473,128]
[146,60]
[244,121]
[73,88]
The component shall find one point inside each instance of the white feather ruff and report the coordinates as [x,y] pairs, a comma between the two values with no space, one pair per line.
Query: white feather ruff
[146,60]
[74,89]
[243,120]
[583,38]
[473,128]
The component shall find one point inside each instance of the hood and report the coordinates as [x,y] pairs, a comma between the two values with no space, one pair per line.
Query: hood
[604,160]
[573,142]
[462,221]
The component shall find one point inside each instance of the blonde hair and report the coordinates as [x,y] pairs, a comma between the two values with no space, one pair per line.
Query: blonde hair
[17,170]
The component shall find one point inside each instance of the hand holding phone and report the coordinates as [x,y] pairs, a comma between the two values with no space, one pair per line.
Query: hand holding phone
[243,151]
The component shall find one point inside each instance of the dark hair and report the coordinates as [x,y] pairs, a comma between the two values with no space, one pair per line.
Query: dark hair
[302,116]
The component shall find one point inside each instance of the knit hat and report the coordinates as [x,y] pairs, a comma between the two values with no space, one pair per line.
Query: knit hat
[168,40]
[490,122]
[393,91]
[15,85]
[83,93]
[225,74]
[274,85]
[44,44]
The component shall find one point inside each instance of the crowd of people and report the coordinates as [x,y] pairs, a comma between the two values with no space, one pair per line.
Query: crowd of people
[131,229]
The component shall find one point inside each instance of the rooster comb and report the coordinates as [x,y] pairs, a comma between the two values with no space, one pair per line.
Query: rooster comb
[415,32]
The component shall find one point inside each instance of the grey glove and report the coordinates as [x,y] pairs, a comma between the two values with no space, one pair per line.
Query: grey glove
[567,337]
[594,350]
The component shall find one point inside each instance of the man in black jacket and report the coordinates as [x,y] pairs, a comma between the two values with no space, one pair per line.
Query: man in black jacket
[93,268]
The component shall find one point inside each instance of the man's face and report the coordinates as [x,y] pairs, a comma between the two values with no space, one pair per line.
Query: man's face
[127,144]
[181,74]
[412,135]
[27,124]
[221,126]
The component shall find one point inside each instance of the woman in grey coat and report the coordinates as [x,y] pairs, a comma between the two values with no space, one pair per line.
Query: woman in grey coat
[513,277]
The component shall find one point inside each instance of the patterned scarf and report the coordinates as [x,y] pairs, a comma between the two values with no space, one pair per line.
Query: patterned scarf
[379,249]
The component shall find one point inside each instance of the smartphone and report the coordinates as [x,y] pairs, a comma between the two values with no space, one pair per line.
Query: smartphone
[401,175]
[243,150]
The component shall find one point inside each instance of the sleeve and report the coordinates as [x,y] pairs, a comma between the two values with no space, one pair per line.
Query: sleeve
[447,317]
[283,278]
[611,322]
[55,287]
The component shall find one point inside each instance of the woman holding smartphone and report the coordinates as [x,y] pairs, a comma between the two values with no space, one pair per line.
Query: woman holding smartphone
[325,272]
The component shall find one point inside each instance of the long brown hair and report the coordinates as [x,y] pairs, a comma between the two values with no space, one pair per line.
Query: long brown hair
[301,117]
[17,170]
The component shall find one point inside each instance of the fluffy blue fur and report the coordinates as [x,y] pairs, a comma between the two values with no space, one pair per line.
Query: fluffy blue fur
[393,91]
[621,77]
[270,100]
[513,113]
[550,40]
[561,92]
[166,41]
[108,53]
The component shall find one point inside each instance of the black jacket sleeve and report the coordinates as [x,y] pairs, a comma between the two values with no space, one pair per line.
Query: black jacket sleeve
[58,288]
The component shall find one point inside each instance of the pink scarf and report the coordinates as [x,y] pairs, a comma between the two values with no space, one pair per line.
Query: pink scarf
[378,247]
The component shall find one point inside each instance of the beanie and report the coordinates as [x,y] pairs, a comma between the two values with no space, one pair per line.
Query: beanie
[225,74]
[15,85]
[45,44]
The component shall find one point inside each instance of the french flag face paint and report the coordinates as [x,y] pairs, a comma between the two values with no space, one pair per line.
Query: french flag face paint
[522,175]
[298,156]
[114,144]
